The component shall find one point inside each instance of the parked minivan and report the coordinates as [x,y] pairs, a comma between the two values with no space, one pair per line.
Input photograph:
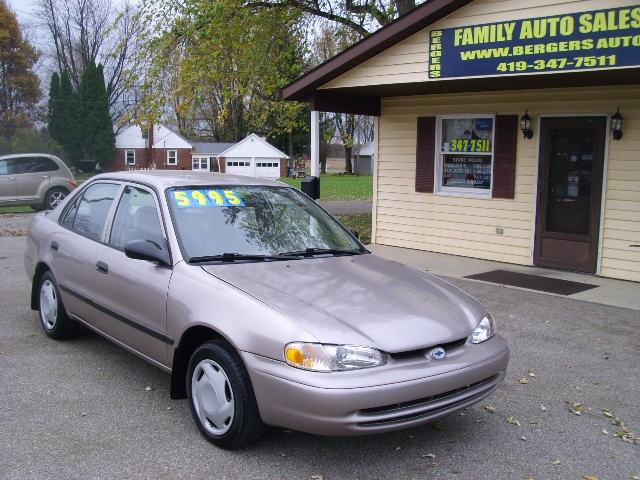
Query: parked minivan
[35,179]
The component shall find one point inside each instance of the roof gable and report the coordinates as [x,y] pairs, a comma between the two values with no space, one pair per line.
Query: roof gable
[253,146]
[403,27]
[163,137]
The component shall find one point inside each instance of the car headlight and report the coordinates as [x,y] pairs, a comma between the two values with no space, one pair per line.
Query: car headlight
[331,358]
[484,331]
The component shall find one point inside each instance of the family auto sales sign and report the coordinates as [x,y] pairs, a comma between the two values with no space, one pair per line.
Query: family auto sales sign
[588,40]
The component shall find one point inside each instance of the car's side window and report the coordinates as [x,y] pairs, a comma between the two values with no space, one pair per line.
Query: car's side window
[136,218]
[70,214]
[35,165]
[93,209]
[6,167]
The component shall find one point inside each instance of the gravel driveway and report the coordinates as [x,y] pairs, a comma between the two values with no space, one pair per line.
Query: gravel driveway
[87,409]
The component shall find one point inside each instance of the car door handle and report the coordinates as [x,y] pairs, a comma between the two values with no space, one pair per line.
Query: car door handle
[102,267]
[55,246]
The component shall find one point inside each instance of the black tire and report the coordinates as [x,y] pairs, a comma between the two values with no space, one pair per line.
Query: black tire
[54,196]
[63,326]
[246,426]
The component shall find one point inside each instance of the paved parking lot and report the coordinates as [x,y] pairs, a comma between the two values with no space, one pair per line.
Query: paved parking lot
[87,409]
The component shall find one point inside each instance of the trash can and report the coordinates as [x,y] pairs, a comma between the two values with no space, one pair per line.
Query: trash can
[311,187]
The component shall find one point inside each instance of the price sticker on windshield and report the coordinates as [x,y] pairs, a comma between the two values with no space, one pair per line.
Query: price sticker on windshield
[206,198]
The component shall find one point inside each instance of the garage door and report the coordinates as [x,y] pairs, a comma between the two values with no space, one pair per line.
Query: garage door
[239,166]
[268,168]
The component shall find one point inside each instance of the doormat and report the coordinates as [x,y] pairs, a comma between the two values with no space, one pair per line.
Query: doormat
[532,282]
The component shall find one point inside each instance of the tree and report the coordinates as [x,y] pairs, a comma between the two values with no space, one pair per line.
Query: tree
[68,120]
[85,32]
[219,67]
[55,128]
[359,17]
[29,140]
[19,85]
[98,140]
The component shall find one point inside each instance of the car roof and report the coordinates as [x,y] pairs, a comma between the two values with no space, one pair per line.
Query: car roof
[22,155]
[162,179]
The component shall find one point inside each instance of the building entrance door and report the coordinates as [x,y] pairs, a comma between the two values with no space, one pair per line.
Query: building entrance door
[569,192]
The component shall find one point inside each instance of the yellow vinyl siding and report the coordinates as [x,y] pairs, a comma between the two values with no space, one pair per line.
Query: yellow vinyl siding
[467,226]
[407,61]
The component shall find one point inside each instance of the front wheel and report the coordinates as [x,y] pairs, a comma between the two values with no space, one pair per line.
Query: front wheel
[221,397]
[53,318]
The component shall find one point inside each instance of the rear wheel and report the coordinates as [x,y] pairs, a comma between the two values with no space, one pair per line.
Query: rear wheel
[221,396]
[53,318]
[54,197]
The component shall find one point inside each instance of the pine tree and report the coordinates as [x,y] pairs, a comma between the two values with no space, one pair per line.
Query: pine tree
[70,120]
[53,109]
[98,139]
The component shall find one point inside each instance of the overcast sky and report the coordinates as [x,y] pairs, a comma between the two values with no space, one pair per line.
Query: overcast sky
[23,9]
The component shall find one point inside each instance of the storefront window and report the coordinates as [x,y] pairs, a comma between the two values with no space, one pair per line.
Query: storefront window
[465,154]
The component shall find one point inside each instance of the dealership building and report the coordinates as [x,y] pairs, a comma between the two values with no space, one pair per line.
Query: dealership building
[506,130]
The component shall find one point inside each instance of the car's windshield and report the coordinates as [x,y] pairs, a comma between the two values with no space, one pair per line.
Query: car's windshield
[254,220]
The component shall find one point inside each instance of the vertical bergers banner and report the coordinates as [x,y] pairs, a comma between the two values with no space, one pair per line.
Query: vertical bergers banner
[588,40]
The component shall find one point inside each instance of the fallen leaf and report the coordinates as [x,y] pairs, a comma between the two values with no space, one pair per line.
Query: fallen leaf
[429,455]
[316,477]
[398,448]
[543,408]
[531,373]
[83,414]
[524,380]
[556,462]
[490,409]
[511,419]
[524,439]
[575,407]
[605,432]
[635,477]
[607,413]
[148,388]
[590,477]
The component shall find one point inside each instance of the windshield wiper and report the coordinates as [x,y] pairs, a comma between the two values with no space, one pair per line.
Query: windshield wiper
[310,252]
[232,257]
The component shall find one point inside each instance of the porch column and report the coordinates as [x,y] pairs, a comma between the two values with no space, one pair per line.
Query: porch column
[315,143]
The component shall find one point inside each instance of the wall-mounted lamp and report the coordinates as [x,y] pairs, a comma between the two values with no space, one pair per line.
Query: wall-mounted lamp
[525,125]
[616,125]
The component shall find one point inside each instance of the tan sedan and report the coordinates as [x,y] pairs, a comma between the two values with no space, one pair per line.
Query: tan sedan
[263,308]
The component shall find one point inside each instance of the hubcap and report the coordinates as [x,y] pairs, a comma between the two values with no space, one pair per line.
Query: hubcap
[48,304]
[56,198]
[212,397]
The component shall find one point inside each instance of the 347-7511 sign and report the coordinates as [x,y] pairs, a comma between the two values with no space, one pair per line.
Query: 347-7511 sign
[587,40]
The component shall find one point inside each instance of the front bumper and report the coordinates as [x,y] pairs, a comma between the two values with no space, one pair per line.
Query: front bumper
[380,399]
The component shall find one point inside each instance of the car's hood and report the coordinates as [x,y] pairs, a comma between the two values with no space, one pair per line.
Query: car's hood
[359,300]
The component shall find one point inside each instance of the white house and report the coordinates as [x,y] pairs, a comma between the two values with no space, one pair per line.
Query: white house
[254,157]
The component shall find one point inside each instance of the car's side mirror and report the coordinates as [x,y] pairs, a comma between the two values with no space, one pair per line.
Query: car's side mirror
[148,250]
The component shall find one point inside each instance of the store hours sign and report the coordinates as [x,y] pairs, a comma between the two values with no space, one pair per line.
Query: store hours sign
[588,40]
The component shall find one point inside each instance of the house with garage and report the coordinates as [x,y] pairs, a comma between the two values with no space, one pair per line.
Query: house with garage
[506,130]
[163,148]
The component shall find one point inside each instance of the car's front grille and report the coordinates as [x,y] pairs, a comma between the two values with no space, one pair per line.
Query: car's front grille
[428,406]
[421,352]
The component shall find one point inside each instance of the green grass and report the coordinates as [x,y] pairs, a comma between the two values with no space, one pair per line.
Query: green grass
[340,187]
[20,209]
[358,222]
